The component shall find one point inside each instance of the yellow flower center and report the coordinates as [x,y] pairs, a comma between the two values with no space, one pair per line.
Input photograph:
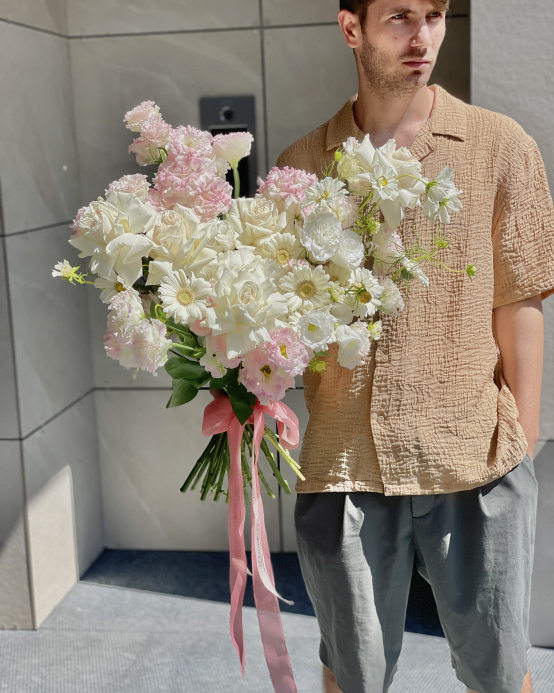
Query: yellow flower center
[312,328]
[185,297]
[284,350]
[266,370]
[365,297]
[306,290]
[383,181]
[282,256]
[119,287]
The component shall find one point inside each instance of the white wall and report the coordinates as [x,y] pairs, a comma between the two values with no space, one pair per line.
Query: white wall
[512,54]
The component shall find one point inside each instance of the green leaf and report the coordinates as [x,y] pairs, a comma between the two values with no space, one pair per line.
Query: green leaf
[321,353]
[243,410]
[183,392]
[242,401]
[183,369]
[201,381]
[228,378]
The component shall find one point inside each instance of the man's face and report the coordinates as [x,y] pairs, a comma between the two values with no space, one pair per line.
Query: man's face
[399,47]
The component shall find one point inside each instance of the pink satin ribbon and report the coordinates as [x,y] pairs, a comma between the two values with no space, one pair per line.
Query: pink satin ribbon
[219,418]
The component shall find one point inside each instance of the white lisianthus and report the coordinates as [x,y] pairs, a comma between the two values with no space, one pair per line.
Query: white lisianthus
[305,289]
[157,270]
[375,330]
[351,251]
[110,287]
[123,256]
[213,365]
[323,193]
[316,329]
[414,269]
[233,147]
[282,247]
[184,298]
[337,273]
[353,344]
[321,235]
[391,299]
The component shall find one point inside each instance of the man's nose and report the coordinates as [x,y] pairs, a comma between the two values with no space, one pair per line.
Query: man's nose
[423,36]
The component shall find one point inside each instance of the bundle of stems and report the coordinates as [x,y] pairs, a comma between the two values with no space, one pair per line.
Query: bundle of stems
[214,464]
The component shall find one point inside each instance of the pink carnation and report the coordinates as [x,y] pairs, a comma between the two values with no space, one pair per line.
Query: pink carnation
[156,131]
[288,352]
[191,180]
[188,137]
[137,183]
[263,377]
[140,114]
[287,184]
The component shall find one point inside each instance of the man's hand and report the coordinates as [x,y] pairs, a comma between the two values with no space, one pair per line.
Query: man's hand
[520,336]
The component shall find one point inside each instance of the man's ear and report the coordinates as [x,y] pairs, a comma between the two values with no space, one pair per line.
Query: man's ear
[351,28]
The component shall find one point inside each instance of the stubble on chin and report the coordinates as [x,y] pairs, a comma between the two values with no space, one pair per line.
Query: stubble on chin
[381,77]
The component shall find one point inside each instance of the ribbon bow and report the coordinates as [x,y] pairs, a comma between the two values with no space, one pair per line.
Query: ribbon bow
[219,418]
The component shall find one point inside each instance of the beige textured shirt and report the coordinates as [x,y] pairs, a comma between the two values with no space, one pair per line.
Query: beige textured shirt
[429,410]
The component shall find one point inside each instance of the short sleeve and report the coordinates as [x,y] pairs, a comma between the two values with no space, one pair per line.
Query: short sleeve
[523,235]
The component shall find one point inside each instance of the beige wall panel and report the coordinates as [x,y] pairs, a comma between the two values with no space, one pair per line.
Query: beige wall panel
[15,597]
[38,167]
[173,70]
[116,17]
[9,421]
[452,70]
[52,547]
[42,14]
[310,74]
[51,328]
[142,475]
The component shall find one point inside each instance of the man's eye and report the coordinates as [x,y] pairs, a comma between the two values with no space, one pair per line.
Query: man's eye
[398,16]
[436,15]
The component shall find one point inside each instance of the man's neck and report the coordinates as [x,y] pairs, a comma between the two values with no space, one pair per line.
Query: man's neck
[399,119]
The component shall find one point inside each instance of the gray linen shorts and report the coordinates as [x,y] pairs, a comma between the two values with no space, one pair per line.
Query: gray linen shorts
[474,547]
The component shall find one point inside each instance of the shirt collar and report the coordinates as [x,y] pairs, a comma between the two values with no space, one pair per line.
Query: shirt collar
[448,118]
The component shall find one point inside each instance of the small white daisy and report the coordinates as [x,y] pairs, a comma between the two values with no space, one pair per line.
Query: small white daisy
[184,298]
[110,287]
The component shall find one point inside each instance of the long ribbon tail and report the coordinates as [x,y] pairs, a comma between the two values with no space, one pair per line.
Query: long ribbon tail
[265,594]
[235,526]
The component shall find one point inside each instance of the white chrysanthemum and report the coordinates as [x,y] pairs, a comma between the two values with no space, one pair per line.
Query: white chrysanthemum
[364,293]
[184,299]
[110,287]
[350,252]
[282,247]
[316,329]
[305,289]
[414,269]
[321,235]
[353,341]
[64,270]
[323,193]
[376,330]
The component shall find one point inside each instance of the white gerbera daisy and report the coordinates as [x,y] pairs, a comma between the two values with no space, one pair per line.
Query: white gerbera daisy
[283,247]
[184,298]
[364,293]
[305,288]
[110,287]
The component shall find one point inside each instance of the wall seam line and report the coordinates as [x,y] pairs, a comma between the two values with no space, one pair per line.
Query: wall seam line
[37,228]
[22,25]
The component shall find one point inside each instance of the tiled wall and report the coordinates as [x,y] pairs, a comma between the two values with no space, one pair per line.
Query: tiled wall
[513,77]
[47,417]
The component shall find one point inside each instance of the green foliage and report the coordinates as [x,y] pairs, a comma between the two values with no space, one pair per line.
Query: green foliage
[180,368]
[183,391]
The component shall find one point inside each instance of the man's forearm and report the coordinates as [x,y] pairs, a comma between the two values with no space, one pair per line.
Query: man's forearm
[520,335]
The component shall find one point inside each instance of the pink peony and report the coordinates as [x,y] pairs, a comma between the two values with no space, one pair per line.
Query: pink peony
[191,180]
[287,185]
[140,114]
[288,352]
[263,377]
[137,183]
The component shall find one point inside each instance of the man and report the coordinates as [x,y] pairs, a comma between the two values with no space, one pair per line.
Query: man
[424,452]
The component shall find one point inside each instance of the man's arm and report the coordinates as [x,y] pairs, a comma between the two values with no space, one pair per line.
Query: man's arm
[520,335]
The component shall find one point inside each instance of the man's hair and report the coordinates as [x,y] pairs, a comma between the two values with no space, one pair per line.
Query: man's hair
[359,7]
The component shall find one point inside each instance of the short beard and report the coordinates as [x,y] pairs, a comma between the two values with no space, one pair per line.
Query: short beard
[387,84]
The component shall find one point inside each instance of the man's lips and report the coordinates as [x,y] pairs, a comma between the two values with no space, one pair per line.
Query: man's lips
[417,64]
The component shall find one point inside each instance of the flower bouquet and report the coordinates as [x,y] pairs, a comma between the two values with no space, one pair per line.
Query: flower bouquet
[242,295]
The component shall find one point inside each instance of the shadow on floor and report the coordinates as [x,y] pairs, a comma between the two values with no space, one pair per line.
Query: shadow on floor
[205,575]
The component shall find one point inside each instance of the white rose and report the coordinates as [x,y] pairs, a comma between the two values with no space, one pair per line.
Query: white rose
[316,329]
[170,230]
[321,235]
[351,252]
[255,219]
[94,227]
[353,344]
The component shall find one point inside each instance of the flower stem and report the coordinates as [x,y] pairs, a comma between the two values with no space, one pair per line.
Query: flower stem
[237,181]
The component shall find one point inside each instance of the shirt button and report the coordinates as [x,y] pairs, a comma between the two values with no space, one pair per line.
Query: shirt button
[380,419]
